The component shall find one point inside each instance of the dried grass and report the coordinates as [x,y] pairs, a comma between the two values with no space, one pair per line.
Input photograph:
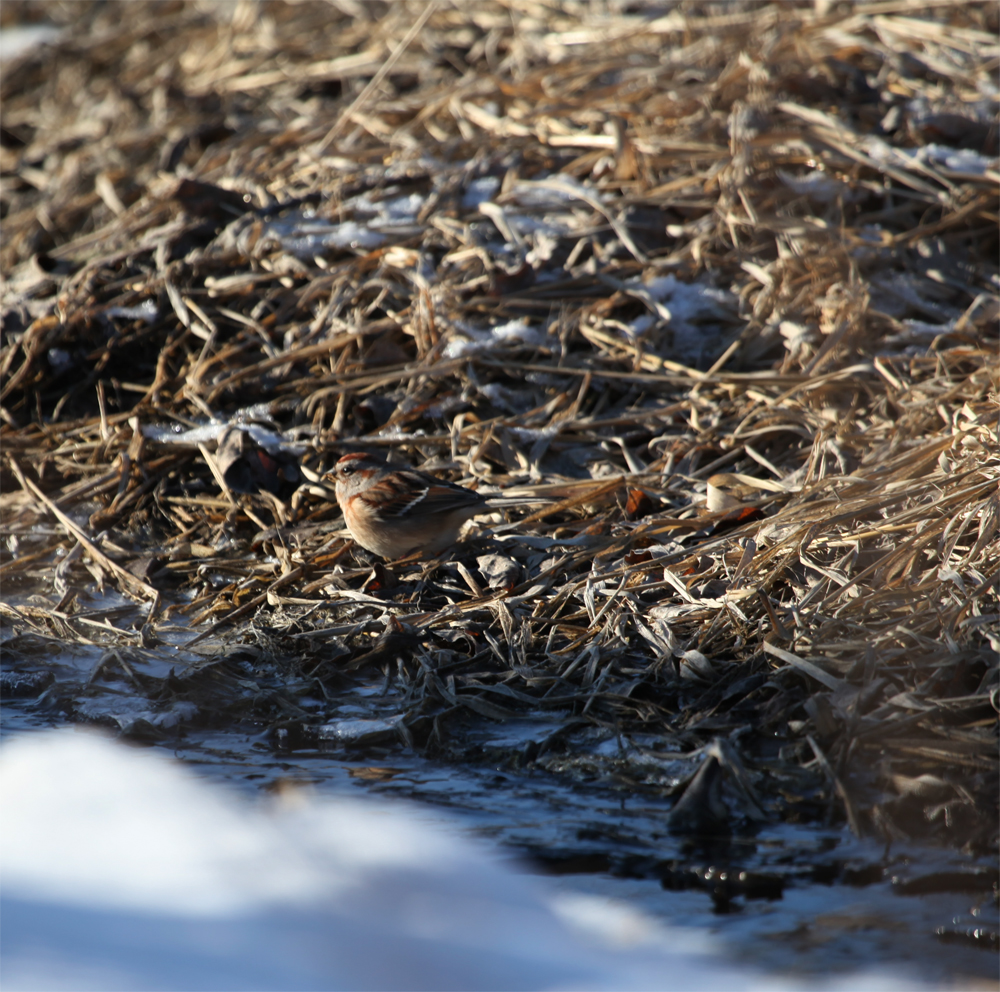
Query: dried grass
[719,279]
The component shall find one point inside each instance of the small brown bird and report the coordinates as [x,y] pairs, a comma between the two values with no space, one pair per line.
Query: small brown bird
[398,511]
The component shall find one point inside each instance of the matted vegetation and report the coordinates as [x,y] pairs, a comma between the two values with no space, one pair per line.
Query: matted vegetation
[719,279]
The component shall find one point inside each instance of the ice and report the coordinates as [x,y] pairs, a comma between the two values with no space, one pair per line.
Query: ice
[480,191]
[21,38]
[819,186]
[513,332]
[147,311]
[687,303]
[306,237]
[961,160]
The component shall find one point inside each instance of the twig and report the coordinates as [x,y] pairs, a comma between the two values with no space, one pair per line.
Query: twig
[362,98]
[852,815]
[129,583]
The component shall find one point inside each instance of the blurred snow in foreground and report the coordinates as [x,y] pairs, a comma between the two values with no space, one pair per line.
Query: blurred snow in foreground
[123,870]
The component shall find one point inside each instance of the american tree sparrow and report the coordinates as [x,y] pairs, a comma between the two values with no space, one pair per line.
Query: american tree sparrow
[397,511]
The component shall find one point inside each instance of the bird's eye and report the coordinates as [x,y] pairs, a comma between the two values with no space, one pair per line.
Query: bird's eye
[347,470]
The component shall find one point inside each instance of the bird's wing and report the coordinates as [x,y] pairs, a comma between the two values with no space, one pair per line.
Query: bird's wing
[421,493]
